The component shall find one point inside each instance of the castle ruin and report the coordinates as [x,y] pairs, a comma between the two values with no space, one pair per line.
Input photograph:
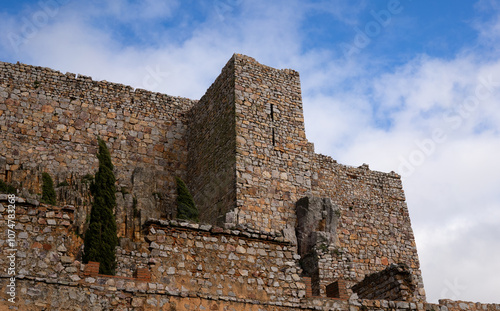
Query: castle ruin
[281,227]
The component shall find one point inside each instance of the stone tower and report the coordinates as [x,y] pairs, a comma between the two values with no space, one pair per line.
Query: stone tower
[251,166]
[248,156]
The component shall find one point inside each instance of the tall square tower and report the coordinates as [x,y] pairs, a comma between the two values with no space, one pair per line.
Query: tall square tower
[248,154]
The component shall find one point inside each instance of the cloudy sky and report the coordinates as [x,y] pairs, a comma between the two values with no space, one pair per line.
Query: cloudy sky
[409,86]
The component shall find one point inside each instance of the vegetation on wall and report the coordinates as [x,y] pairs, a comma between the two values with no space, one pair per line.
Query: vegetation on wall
[89,178]
[48,192]
[6,188]
[100,238]
[62,184]
[185,203]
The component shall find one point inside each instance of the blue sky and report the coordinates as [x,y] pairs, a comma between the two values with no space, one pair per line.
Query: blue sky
[409,86]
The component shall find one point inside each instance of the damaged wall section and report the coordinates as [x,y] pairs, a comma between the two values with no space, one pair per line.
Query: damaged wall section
[394,283]
[317,221]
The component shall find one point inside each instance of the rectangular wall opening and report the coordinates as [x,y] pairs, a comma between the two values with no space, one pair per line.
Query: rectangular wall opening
[273,125]
[337,289]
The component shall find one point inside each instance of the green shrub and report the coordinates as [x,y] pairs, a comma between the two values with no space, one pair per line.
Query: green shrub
[100,239]
[6,188]
[89,178]
[48,193]
[185,203]
[62,184]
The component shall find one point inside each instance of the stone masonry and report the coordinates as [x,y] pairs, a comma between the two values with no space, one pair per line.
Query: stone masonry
[50,121]
[281,227]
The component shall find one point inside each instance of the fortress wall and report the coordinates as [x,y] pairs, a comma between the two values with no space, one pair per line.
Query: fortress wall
[46,244]
[36,295]
[221,263]
[51,120]
[39,296]
[185,259]
[374,226]
[272,163]
[212,149]
[459,305]
[193,266]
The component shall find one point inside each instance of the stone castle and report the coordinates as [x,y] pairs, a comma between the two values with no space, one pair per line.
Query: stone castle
[281,227]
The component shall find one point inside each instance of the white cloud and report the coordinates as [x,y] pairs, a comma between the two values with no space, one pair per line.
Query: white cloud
[470,245]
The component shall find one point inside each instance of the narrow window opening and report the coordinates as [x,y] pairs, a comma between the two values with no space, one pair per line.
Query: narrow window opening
[126,225]
[272,125]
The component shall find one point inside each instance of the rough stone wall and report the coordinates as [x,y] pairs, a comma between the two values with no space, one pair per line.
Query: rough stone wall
[46,242]
[316,231]
[50,121]
[452,305]
[317,221]
[201,257]
[212,149]
[374,227]
[193,266]
[272,162]
[185,259]
[225,263]
[248,156]
[107,294]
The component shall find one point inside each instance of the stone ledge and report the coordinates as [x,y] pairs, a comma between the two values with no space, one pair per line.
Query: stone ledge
[240,232]
[92,271]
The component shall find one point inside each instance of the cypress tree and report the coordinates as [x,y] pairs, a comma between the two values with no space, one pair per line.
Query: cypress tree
[48,192]
[100,238]
[185,203]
